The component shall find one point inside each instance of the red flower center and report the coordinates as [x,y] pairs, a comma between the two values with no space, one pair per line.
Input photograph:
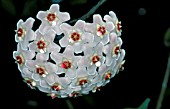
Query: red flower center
[66,64]
[19,59]
[116,50]
[95,59]
[41,44]
[20,32]
[119,26]
[51,17]
[40,71]
[107,76]
[56,87]
[75,36]
[83,81]
[101,30]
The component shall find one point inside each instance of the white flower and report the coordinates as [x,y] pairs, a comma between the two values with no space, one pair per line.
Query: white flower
[52,18]
[66,61]
[44,43]
[113,18]
[100,29]
[21,56]
[75,36]
[24,32]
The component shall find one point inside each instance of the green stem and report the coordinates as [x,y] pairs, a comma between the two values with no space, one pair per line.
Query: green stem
[87,15]
[69,104]
[164,85]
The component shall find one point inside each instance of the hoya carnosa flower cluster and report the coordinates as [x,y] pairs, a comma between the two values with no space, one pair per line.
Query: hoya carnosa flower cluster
[84,60]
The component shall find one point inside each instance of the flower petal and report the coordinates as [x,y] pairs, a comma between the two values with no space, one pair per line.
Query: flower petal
[41,57]
[105,39]
[45,90]
[54,8]
[36,77]
[44,84]
[53,47]
[44,27]
[41,15]
[50,67]
[71,73]
[109,26]
[32,46]
[66,28]
[92,70]
[81,72]
[64,41]
[29,23]
[52,78]
[97,19]
[83,62]
[30,64]
[50,35]
[89,27]
[77,48]
[87,37]
[64,16]
[57,57]
[80,25]
[19,23]
[69,52]
[30,35]
[57,29]
[28,54]
[27,72]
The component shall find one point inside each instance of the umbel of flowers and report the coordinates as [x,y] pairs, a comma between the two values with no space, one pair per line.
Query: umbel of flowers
[85,59]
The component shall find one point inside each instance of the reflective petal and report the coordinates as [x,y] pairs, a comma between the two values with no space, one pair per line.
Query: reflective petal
[64,41]
[64,16]
[109,26]
[44,84]
[53,47]
[54,8]
[87,37]
[19,23]
[91,70]
[50,35]
[30,35]
[41,15]
[44,27]
[77,48]
[105,39]
[41,57]
[28,54]
[80,25]
[107,18]
[51,78]
[66,28]
[89,27]
[97,19]
[56,57]
[36,77]
[109,60]
[29,23]
[83,62]
[30,64]
[27,72]
[45,90]
[113,37]
[107,49]
[57,29]
[81,72]
[50,67]
[32,46]
[24,44]
[69,52]
[71,73]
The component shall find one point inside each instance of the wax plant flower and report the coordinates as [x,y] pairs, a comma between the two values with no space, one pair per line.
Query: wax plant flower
[85,59]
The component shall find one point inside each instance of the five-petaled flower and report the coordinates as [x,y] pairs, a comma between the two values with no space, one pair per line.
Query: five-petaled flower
[24,32]
[100,29]
[75,36]
[52,18]
[44,43]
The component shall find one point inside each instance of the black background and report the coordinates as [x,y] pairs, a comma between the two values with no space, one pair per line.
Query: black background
[146,56]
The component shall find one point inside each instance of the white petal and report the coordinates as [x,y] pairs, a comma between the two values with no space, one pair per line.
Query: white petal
[113,37]
[108,18]
[26,72]
[57,29]
[109,60]
[29,23]
[65,81]
[56,57]
[77,48]
[54,8]
[64,41]
[53,47]
[41,15]
[107,49]
[64,16]
[109,26]
[51,78]
[91,70]
[19,23]
[32,46]
[41,57]
[87,37]
[89,27]
[36,77]
[44,27]
[42,89]
[102,69]
[66,28]
[50,35]
[105,39]
[24,44]
[83,62]
[44,84]
[71,73]
[97,19]
[69,52]
[50,67]
[80,25]
[82,72]
[28,54]
[30,64]
[30,35]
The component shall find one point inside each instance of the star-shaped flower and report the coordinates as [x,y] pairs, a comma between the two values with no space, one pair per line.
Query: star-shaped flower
[75,36]
[24,32]
[100,29]
[44,43]
[52,18]
[66,61]
[113,18]
[21,56]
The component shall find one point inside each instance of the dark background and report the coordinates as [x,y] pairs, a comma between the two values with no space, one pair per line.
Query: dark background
[142,35]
